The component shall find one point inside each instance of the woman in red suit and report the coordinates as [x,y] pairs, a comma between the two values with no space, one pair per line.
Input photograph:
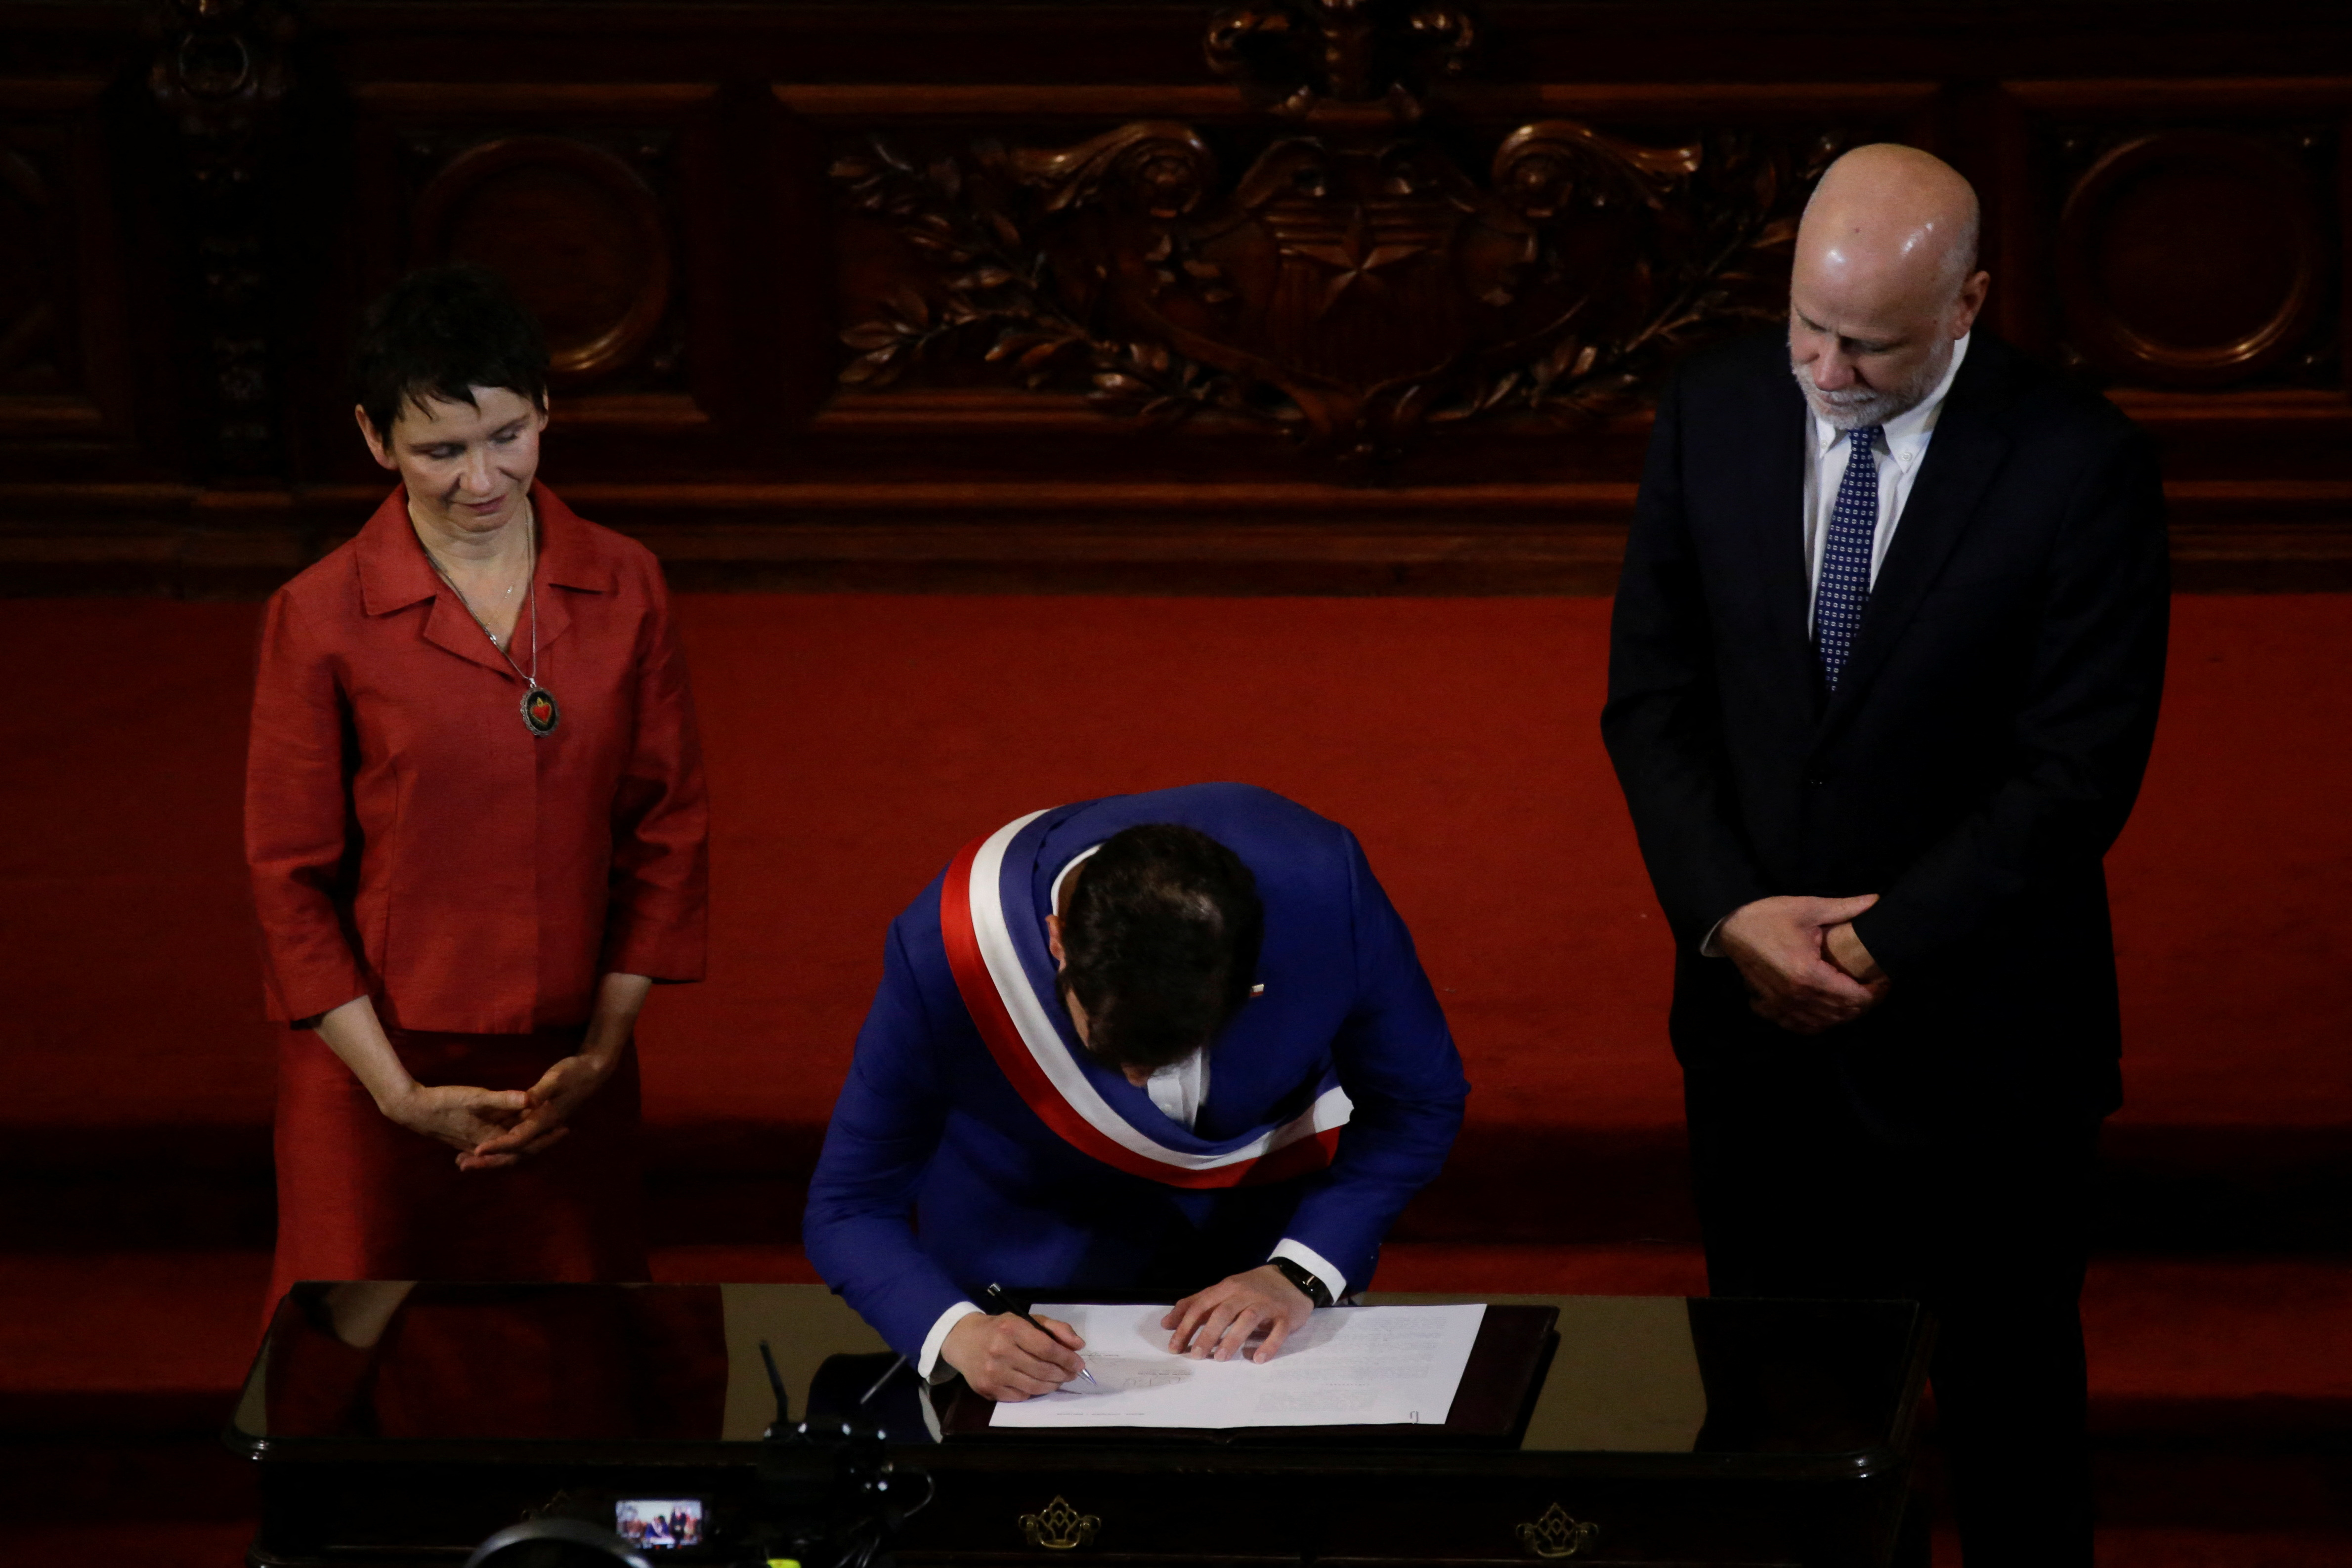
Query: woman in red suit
[475,818]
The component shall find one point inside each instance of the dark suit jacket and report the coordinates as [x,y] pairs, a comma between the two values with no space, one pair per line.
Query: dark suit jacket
[1983,749]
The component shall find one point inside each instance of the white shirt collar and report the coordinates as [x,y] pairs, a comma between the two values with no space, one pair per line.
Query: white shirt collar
[1179,1088]
[1054,894]
[1906,434]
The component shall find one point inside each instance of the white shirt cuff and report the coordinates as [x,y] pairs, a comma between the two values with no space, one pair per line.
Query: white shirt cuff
[1314,1263]
[927,1365]
[1708,946]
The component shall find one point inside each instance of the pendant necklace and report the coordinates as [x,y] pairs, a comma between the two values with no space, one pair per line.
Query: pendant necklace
[540,713]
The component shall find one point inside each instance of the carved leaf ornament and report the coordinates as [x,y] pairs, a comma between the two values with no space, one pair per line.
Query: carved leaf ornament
[1350,283]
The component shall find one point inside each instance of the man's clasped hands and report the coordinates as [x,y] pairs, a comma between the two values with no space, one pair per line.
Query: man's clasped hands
[1806,969]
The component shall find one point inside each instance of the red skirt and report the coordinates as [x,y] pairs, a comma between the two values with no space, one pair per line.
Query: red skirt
[360,1197]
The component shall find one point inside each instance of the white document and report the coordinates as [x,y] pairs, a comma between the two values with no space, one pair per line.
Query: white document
[1348,1366]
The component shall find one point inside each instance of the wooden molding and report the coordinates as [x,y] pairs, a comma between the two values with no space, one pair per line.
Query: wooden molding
[869,103]
[1634,102]
[21,95]
[63,415]
[571,100]
[2269,94]
[1052,537]
[1048,497]
[889,103]
[665,412]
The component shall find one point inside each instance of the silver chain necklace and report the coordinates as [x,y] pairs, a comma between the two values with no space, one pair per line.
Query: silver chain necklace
[541,713]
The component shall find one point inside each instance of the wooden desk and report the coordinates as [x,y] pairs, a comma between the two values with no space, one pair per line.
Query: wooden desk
[1665,1430]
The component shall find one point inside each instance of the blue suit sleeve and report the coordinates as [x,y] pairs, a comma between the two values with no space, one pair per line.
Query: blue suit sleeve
[1397,1061]
[859,1228]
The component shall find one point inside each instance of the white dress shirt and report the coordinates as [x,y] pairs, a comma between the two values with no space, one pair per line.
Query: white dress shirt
[1901,448]
[1178,1091]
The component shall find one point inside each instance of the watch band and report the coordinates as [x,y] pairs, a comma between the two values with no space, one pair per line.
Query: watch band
[1310,1285]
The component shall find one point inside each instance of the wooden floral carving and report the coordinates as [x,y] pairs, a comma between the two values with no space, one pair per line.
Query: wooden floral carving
[1349,282]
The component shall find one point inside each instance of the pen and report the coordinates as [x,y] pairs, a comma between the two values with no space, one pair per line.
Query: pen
[888,1372]
[1003,1303]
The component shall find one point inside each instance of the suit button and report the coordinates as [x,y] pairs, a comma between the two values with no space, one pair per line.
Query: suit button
[1816,780]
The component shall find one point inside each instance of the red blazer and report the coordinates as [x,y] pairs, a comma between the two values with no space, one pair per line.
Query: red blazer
[411,839]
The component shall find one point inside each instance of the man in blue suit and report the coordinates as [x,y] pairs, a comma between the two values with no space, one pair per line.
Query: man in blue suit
[1175,1042]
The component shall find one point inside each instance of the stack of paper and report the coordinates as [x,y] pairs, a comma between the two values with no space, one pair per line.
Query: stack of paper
[1350,1367]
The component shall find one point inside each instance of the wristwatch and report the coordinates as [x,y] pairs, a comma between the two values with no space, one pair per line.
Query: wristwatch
[1310,1285]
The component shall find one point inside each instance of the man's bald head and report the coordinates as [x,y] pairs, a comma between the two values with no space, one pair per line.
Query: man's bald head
[1885,281]
[1899,214]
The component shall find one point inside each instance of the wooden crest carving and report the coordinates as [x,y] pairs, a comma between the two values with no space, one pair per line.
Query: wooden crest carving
[1351,281]
[1293,56]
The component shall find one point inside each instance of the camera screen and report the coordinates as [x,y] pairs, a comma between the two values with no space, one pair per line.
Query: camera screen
[660,1520]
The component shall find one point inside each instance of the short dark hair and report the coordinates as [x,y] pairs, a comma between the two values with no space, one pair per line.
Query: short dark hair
[1160,944]
[439,333]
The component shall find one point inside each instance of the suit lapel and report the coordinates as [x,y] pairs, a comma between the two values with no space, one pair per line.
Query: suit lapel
[1963,455]
[1780,515]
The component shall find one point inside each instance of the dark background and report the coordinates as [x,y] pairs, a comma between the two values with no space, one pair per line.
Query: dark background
[933,597]
[195,205]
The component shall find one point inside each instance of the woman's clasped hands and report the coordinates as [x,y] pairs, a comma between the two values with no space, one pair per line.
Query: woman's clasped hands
[494,1128]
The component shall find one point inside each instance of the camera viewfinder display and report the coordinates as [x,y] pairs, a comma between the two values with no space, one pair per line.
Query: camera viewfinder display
[660,1521]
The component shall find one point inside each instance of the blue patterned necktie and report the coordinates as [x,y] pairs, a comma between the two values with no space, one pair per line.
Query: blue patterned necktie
[1845,557]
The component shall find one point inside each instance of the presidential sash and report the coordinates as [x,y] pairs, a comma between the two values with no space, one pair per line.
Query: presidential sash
[1017,1025]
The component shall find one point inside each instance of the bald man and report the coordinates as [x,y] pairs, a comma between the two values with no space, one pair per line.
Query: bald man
[1884,673]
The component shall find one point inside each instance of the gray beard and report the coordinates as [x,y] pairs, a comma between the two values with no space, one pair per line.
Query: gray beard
[1855,408]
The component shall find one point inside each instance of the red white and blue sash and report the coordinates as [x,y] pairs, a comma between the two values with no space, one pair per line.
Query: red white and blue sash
[1016,1022]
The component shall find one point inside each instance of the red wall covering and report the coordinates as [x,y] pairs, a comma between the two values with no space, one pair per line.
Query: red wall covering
[855,742]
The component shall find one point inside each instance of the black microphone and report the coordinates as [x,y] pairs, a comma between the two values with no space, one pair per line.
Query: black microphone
[783,1424]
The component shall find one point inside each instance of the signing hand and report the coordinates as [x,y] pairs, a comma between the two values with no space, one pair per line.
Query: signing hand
[560,1090]
[1219,1321]
[462,1117]
[1005,1360]
[1783,946]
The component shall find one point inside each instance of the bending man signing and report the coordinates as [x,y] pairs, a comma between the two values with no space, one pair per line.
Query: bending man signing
[1175,1042]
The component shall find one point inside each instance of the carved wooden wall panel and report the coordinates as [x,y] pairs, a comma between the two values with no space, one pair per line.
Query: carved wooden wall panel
[2195,228]
[2188,237]
[593,200]
[2195,259]
[1354,281]
[576,228]
[1259,296]
[60,329]
[1350,289]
